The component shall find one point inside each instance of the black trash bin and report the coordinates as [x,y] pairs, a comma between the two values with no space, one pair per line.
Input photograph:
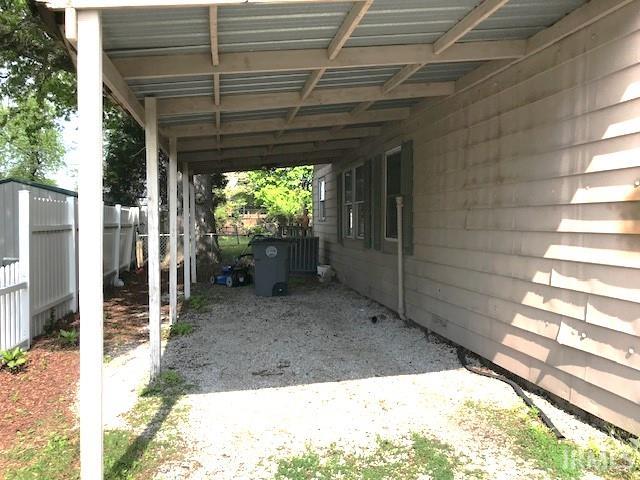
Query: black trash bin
[271,257]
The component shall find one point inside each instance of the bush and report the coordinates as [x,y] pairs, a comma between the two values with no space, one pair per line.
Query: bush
[13,360]
[68,337]
[180,328]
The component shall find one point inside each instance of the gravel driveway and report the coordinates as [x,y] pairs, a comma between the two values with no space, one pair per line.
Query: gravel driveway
[273,376]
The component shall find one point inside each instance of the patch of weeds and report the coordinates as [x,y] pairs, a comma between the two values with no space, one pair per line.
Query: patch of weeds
[157,402]
[180,328]
[107,358]
[55,460]
[68,338]
[197,302]
[563,459]
[405,460]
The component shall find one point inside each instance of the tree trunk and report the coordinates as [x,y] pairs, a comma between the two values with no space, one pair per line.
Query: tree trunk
[207,248]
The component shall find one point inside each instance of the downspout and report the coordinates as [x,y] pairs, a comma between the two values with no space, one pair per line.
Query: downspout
[399,206]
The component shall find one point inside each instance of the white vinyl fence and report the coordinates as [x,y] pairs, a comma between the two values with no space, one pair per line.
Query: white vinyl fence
[41,285]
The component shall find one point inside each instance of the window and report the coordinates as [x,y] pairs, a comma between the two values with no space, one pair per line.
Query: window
[392,188]
[348,203]
[322,207]
[354,196]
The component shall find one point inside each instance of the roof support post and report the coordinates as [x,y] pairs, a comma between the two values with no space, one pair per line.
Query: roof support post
[172,188]
[153,265]
[192,229]
[186,243]
[90,215]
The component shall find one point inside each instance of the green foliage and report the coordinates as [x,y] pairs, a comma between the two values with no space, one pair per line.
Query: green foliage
[30,140]
[283,192]
[68,337]
[53,461]
[532,441]
[421,457]
[197,302]
[180,328]
[13,359]
[33,62]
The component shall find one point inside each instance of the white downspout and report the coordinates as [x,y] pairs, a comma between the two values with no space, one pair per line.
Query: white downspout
[399,206]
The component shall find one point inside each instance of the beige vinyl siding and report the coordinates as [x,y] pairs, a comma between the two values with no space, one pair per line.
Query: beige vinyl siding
[527,219]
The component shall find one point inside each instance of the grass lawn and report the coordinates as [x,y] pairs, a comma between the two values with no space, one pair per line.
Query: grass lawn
[232,247]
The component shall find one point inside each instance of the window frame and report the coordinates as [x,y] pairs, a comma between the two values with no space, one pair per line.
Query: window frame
[322,198]
[353,203]
[387,154]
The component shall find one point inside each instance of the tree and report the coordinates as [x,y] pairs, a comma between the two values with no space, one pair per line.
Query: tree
[283,192]
[30,141]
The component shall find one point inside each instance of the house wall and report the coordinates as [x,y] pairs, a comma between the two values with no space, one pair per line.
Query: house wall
[526,219]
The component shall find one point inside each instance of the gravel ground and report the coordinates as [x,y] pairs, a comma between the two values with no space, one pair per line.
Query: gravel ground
[272,376]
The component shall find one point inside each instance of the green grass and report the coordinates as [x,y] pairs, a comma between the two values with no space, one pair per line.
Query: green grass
[532,441]
[405,460]
[230,248]
[197,302]
[180,328]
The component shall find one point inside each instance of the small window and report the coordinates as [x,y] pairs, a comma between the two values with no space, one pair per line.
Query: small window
[322,207]
[354,196]
[392,188]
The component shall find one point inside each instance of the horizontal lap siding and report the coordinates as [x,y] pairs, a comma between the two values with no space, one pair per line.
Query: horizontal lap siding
[527,219]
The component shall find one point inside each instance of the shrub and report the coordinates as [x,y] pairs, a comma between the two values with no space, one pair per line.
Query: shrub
[68,337]
[180,328]
[13,360]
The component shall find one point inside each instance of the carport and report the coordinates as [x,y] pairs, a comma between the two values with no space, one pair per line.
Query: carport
[228,85]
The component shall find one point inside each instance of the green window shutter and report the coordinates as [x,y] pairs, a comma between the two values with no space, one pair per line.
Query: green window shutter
[339,209]
[407,194]
[376,203]
[367,204]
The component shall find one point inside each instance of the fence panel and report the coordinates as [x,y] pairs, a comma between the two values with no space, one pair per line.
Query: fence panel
[303,254]
[52,262]
[13,331]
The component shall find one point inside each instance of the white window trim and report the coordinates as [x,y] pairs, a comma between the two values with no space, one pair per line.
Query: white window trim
[388,153]
[345,203]
[356,203]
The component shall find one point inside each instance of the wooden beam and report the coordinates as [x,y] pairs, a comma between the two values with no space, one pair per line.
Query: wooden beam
[401,76]
[216,88]
[120,91]
[332,96]
[71,25]
[311,83]
[468,23]
[159,66]
[271,161]
[292,114]
[195,144]
[578,19]
[124,4]
[348,26]
[213,34]
[361,108]
[259,151]
[270,125]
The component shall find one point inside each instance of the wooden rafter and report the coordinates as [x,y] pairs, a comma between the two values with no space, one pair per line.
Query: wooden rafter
[276,124]
[213,34]
[348,26]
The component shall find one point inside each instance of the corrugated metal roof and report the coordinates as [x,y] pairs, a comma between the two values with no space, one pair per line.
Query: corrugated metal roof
[155,31]
[360,77]
[255,115]
[443,72]
[173,87]
[400,103]
[320,109]
[262,82]
[173,120]
[250,27]
[520,19]
[399,22]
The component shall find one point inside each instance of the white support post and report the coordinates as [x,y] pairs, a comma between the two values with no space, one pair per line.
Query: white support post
[24,251]
[116,248]
[90,218]
[71,219]
[192,231]
[186,250]
[172,188]
[153,229]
